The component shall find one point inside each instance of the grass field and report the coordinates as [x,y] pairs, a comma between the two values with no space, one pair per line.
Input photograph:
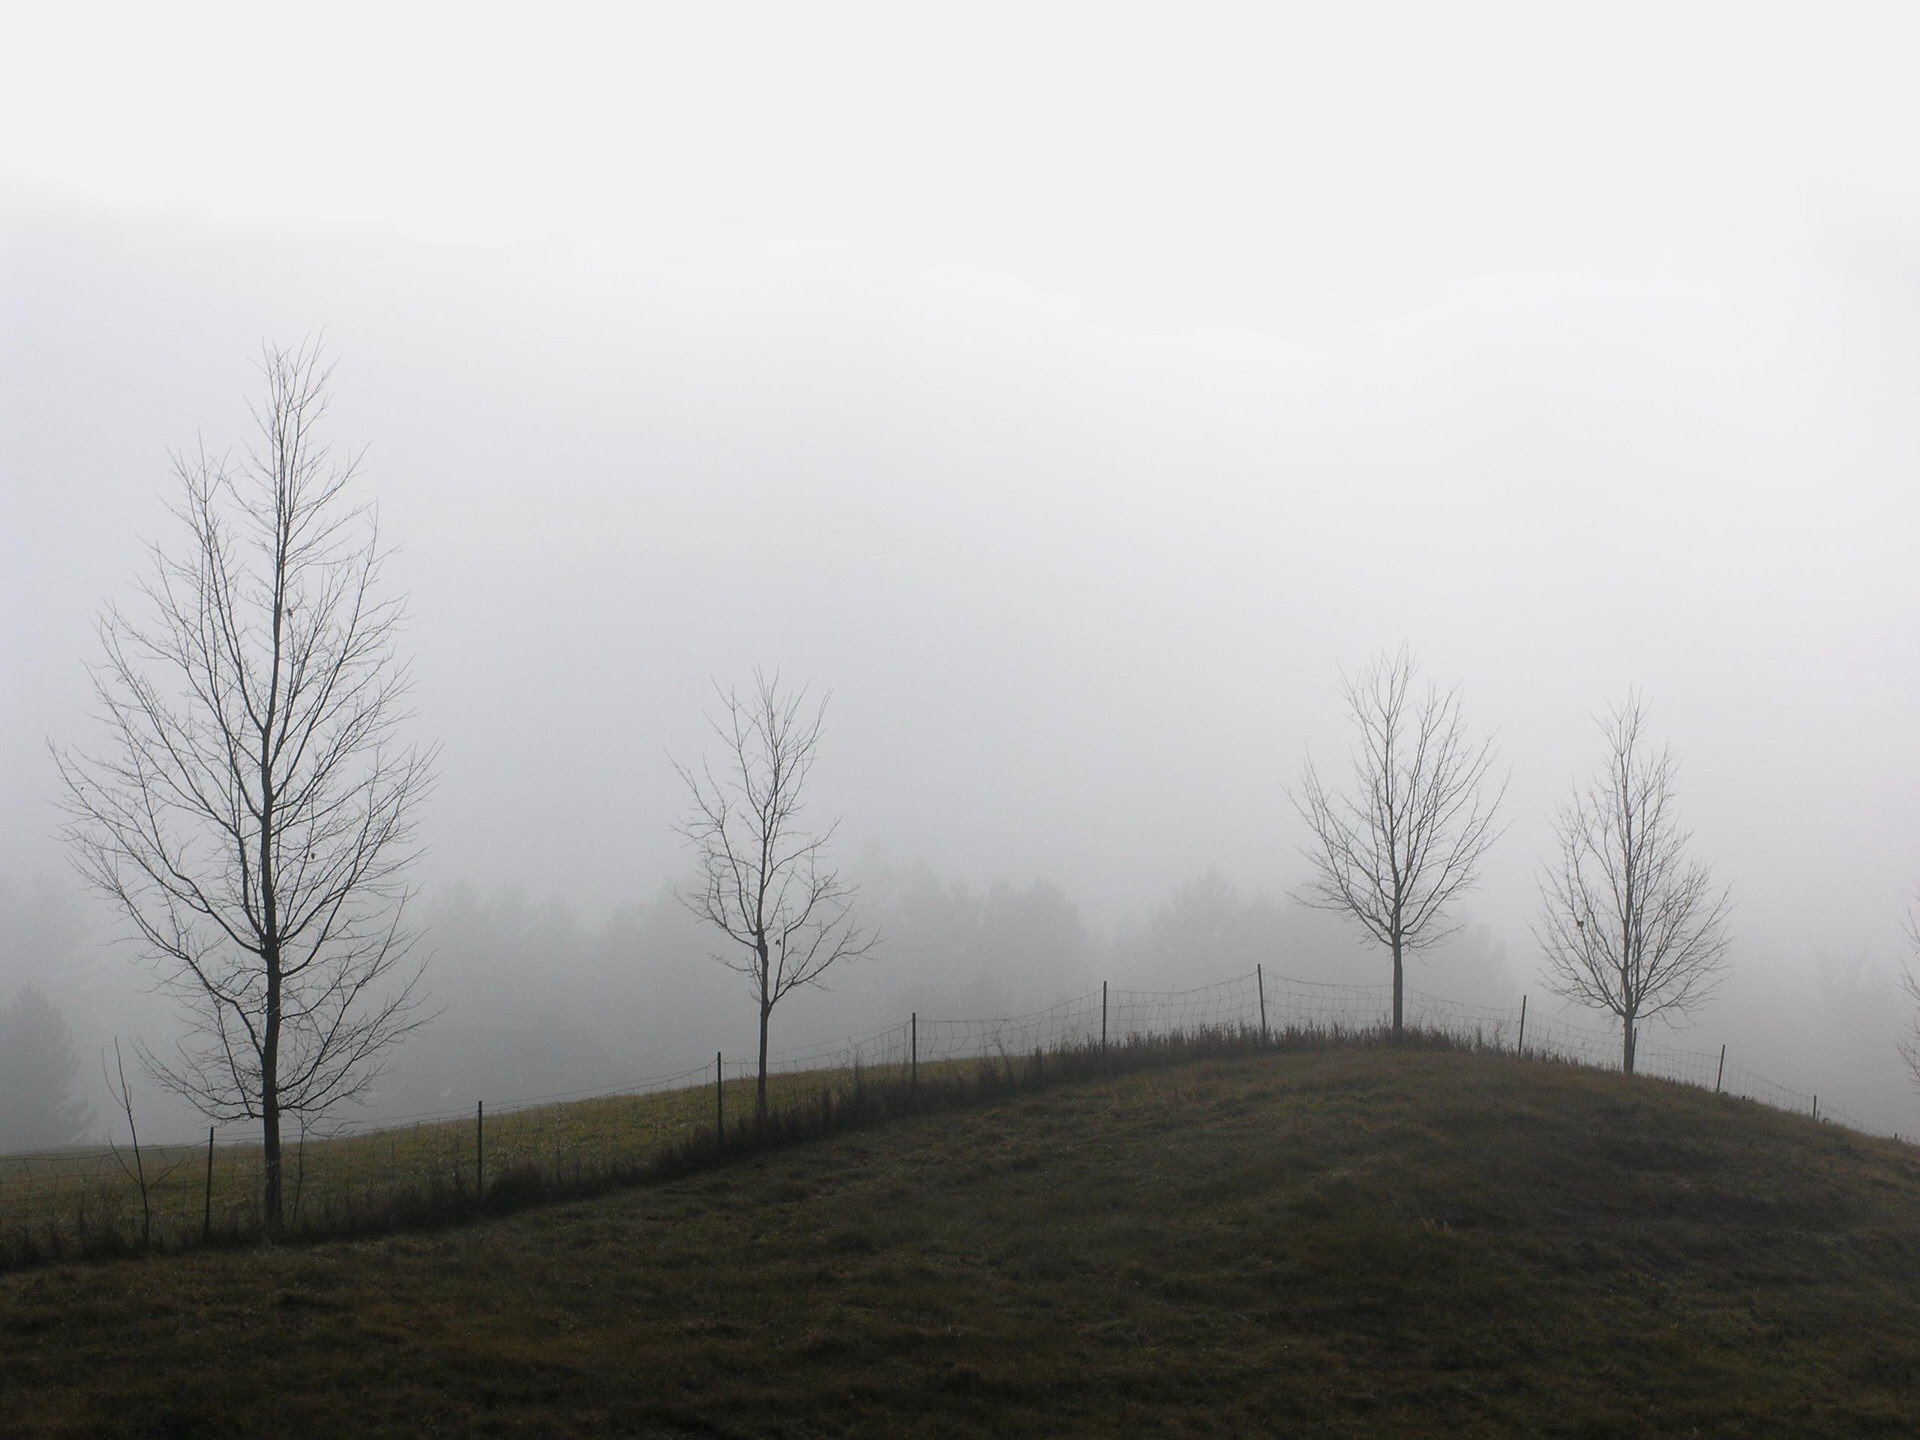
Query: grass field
[75,1201]
[1359,1243]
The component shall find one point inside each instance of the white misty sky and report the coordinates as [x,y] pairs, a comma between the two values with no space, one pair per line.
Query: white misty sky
[1070,394]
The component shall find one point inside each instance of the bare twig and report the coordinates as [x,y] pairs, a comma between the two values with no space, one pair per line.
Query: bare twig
[122,1094]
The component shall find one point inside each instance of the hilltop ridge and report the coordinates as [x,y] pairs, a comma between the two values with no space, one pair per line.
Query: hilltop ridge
[1342,1243]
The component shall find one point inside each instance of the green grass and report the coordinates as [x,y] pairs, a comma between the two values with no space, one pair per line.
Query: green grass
[1345,1243]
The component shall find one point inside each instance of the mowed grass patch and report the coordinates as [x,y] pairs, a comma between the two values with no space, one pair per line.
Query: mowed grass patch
[1367,1243]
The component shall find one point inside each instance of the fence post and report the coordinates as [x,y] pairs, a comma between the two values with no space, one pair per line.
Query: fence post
[1816,1107]
[719,1103]
[913,1031]
[1721,1071]
[1260,979]
[1521,1048]
[206,1211]
[1103,1015]
[479,1149]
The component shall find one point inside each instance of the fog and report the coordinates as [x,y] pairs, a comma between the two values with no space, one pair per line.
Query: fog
[1071,404]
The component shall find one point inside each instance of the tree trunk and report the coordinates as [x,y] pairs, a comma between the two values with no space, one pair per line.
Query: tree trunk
[760,1094]
[270,1207]
[1627,1039]
[270,1154]
[270,1198]
[1398,974]
[270,952]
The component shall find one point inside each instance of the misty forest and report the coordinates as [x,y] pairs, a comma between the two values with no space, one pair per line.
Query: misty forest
[665,813]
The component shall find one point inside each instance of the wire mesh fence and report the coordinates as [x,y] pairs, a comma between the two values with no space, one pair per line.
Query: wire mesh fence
[345,1177]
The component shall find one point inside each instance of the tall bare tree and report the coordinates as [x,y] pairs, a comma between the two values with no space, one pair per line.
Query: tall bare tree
[1628,922]
[251,808]
[763,881]
[1399,845]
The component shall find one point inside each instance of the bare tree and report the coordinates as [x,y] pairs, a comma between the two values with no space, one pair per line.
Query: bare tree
[763,881]
[1910,982]
[251,810]
[39,1071]
[1393,851]
[1629,924]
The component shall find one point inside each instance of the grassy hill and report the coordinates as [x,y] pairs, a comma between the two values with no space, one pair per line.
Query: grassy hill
[1348,1243]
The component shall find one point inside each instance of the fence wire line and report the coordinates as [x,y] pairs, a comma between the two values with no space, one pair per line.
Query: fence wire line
[194,1189]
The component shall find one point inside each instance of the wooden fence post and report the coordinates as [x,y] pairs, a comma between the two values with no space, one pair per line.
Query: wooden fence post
[479,1148]
[1260,979]
[1816,1107]
[1521,1048]
[1103,1015]
[206,1211]
[1721,1071]
[719,1102]
[913,1031]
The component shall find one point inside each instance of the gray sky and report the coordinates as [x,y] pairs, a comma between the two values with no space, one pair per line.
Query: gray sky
[1072,398]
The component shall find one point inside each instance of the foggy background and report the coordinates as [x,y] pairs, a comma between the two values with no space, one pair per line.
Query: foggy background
[1072,399]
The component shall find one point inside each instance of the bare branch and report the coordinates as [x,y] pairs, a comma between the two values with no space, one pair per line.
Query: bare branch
[122,1094]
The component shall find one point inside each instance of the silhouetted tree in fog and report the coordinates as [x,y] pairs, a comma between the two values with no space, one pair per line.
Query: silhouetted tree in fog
[977,951]
[38,1072]
[763,880]
[1629,923]
[1209,927]
[1394,849]
[251,810]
